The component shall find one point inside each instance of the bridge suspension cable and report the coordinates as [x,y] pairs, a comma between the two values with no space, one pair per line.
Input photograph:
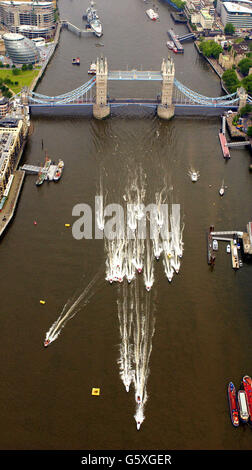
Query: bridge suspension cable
[201,99]
[64,98]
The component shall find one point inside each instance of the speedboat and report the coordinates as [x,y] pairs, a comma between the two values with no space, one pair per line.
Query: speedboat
[138,425]
[233,404]
[215,245]
[47,342]
[243,406]
[76,61]
[148,288]
[221,190]
[194,176]
[228,249]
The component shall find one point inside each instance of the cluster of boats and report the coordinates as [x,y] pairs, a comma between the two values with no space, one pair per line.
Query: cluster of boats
[153,15]
[50,171]
[240,403]
[93,20]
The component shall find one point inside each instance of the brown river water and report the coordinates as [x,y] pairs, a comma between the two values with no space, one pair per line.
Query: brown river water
[196,333]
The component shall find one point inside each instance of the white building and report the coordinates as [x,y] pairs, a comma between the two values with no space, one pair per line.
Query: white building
[238,15]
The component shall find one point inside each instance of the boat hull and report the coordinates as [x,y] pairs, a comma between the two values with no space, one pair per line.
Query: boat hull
[233,408]
[247,384]
[243,406]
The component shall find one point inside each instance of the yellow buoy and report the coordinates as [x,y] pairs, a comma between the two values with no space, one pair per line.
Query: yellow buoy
[96,391]
[42,301]
[67,225]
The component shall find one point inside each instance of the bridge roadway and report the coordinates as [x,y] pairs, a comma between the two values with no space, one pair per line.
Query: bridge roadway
[85,107]
[135,75]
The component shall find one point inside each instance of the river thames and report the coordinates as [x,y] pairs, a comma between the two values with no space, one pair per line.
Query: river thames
[198,333]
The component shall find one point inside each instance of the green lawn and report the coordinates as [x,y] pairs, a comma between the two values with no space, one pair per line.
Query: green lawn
[24,79]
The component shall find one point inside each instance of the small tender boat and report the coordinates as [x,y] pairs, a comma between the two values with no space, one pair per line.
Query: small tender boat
[243,406]
[59,170]
[247,383]
[153,15]
[228,249]
[76,61]
[92,69]
[233,404]
[215,245]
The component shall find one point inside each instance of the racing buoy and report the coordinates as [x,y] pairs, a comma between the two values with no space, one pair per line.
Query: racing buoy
[67,225]
[34,223]
[96,392]
[42,302]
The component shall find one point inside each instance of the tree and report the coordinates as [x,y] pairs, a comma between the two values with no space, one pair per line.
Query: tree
[230,80]
[249,131]
[210,48]
[229,29]
[244,65]
[246,110]
[16,71]
[247,83]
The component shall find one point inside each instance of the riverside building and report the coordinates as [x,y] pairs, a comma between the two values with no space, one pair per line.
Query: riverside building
[240,16]
[20,49]
[33,19]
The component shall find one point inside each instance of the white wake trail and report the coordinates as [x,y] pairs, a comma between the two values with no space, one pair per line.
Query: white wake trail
[69,312]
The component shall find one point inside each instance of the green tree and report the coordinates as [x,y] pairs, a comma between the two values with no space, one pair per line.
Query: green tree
[229,29]
[246,109]
[210,48]
[16,71]
[230,80]
[244,65]
[249,131]
[247,83]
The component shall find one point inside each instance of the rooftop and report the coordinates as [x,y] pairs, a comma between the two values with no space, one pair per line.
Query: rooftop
[236,8]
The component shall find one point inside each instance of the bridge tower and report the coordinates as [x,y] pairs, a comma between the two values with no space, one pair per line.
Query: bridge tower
[241,92]
[165,110]
[101,108]
[24,96]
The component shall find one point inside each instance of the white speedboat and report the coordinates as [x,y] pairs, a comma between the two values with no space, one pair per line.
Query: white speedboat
[222,189]
[228,249]
[215,245]
[194,176]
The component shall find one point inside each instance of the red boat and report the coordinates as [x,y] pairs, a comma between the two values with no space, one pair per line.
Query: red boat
[247,384]
[233,404]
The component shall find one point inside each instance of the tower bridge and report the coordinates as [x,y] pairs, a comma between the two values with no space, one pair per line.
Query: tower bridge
[174,98]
